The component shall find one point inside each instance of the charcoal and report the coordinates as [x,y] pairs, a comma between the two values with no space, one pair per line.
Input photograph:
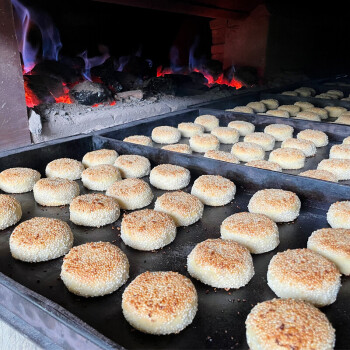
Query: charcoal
[247,75]
[88,93]
[213,67]
[138,66]
[128,81]
[56,70]
[198,78]
[159,86]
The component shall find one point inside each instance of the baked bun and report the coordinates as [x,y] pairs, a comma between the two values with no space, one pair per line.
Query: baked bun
[208,121]
[94,269]
[256,232]
[99,157]
[335,111]
[139,140]
[321,112]
[337,93]
[244,128]
[280,132]
[160,303]
[346,141]
[10,211]
[326,96]
[304,105]
[226,135]
[319,138]
[303,92]
[307,147]
[190,129]
[53,192]
[288,324]
[131,193]
[291,109]
[18,180]
[270,103]
[339,167]
[166,134]
[147,229]
[288,158]
[40,239]
[320,175]
[304,274]
[221,263]
[100,177]
[338,215]
[266,141]
[65,168]
[340,151]
[308,116]
[258,107]
[221,155]
[264,164]
[290,93]
[132,165]
[184,208]
[214,190]
[278,205]
[343,119]
[178,147]
[241,109]
[169,177]
[204,142]
[278,113]
[247,151]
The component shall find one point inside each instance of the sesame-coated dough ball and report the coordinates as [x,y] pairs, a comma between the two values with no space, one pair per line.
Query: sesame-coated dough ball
[132,165]
[190,129]
[208,121]
[99,157]
[18,180]
[139,140]
[169,177]
[166,134]
[204,142]
[100,177]
[10,211]
[65,168]
[221,155]
[244,128]
[338,215]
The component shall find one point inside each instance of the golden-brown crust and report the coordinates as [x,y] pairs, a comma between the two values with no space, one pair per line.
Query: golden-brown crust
[101,172]
[221,155]
[213,185]
[180,201]
[205,139]
[128,188]
[165,131]
[320,174]
[64,165]
[139,139]
[15,175]
[246,147]
[92,202]
[100,155]
[264,164]
[179,147]
[56,184]
[170,170]
[7,204]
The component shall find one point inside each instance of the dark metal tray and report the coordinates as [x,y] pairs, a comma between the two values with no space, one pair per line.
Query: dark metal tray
[219,323]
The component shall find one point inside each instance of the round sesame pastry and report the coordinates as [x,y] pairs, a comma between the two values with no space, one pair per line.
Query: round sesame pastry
[321,112]
[221,155]
[304,274]
[178,147]
[241,109]
[132,166]
[340,152]
[307,147]
[147,229]
[304,92]
[343,119]
[280,132]
[319,138]
[166,134]
[18,180]
[208,121]
[278,113]
[226,135]
[94,269]
[204,142]
[214,190]
[256,232]
[288,158]
[288,324]
[335,111]
[290,93]
[339,167]
[346,141]
[345,99]
[100,177]
[65,168]
[338,215]
[337,93]
[258,107]
[162,302]
[190,129]
[266,141]
[221,263]
[244,128]
[278,205]
[326,96]
[40,239]
[184,208]
[53,192]
[265,164]
[139,140]
[99,157]
[320,175]
[308,116]
[131,193]
[94,209]
[304,105]
[10,211]
[270,103]
[247,151]
[291,109]
[169,177]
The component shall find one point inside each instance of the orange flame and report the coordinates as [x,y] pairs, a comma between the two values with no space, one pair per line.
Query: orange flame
[31,99]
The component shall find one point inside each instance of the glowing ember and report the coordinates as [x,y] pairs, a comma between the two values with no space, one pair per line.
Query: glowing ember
[113,103]
[64,99]
[31,99]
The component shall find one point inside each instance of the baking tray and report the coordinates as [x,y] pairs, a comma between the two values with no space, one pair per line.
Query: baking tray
[219,323]
[335,132]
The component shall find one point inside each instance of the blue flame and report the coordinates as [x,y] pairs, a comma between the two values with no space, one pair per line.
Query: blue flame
[94,61]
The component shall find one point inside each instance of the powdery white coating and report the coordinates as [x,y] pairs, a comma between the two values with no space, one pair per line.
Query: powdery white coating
[304,274]
[247,151]
[280,132]
[278,205]
[100,177]
[190,129]
[94,269]
[338,93]
[288,158]
[99,157]
[288,324]
[204,142]
[139,140]
[258,233]
[244,128]
[179,147]
[308,116]
[65,168]
[160,302]
[132,165]
[265,164]
[307,147]
[131,193]
[184,208]
[319,138]
[169,177]
[54,192]
[147,229]
[291,109]
[343,119]
[221,155]
[278,113]
[304,105]
[226,135]
[340,151]
[321,112]
[18,180]
[241,109]
[339,167]
[214,190]
[333,244]
[221,263]
[346,141]
[270,103]
[258,107]
[290,93]
[320,174]
[338,215]
[40,239]
[266,141]
[94,209]
[335,111]
[208,121]
[10,211]
[166,134]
